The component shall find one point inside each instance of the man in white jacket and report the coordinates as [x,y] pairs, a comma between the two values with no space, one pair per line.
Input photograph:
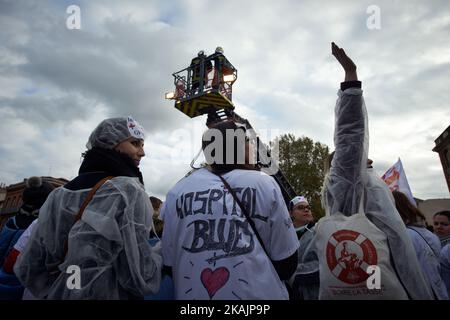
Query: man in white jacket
[208,241]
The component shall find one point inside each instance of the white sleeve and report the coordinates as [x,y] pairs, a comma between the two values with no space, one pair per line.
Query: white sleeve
[139,264]
[345,184]
[283,239]
[166,215]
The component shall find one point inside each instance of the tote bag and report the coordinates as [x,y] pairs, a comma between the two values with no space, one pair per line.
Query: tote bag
[346,247]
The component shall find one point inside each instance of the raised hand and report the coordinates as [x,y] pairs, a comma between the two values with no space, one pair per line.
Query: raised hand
[346,63]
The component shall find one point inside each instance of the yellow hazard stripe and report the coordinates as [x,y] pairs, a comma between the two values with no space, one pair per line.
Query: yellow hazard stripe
[193,107]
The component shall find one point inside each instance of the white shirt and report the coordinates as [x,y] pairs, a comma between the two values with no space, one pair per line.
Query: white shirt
[208,242]
[21,243]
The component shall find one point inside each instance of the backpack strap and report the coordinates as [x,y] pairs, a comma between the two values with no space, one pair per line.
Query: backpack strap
[15,222]
[245,212]
[90,196]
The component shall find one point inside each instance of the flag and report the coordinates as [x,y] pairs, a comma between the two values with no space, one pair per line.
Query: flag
[396,180]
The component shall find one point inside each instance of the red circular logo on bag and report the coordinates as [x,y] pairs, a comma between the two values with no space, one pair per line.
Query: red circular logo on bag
[349,253]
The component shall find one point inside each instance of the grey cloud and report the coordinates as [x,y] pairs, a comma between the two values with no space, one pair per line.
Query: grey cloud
[43,110]
[129,70]
[121,61]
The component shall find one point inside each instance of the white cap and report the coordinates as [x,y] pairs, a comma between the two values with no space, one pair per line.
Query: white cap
[296,200]
[110,132]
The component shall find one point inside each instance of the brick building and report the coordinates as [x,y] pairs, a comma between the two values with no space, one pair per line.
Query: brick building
[12,195]
[443,148]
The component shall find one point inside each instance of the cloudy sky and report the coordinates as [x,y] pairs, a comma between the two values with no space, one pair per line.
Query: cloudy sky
[57,84]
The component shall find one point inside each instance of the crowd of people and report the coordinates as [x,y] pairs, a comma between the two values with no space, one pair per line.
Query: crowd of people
[223,231]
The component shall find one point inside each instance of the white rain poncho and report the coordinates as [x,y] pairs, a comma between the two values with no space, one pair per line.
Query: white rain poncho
[349,180]
[109,244]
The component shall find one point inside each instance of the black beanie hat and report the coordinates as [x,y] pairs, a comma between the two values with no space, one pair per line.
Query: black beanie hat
[36,192]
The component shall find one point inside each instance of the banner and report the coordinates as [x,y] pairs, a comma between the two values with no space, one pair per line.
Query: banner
[395,178]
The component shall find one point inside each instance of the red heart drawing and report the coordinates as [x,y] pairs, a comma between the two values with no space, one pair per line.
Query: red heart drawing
[214,280]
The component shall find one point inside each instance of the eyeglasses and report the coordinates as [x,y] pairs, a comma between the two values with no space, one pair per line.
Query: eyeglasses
[303,208]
